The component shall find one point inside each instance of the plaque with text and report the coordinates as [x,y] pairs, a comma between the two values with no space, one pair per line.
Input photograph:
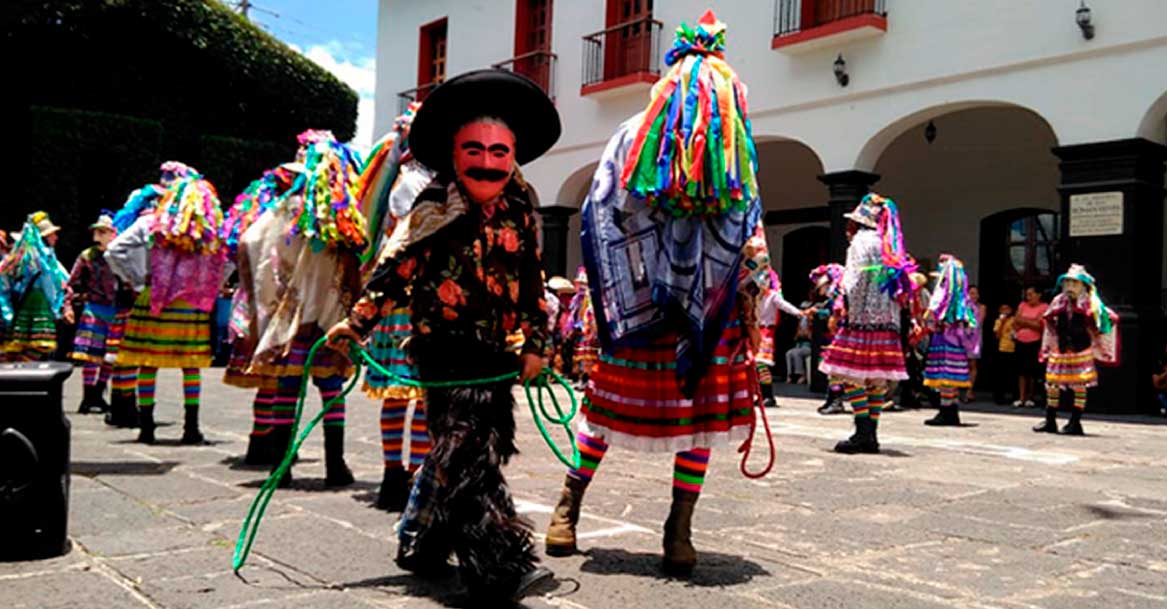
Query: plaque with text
[1096,214]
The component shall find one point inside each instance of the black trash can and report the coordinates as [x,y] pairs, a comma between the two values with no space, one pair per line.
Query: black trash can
[34,461]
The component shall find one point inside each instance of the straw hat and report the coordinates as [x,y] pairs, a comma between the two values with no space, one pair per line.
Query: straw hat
[560,284]
[868,211]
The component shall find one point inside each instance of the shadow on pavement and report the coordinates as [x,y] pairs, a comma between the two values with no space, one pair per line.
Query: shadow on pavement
[315,485]
[448,591]
[713,568]
[91,469]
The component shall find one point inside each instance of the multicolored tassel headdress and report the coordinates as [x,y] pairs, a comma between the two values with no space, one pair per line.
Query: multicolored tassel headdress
[694,153]
[829,277]
[950,302]
[259,197]
[380,174]
[880,213]
[31,261]
[189,217]
[177,170]
[140,201]
[1098,309]
[329,216]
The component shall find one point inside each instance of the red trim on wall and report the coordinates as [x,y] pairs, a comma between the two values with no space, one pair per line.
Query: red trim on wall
[622,81]
[830,29]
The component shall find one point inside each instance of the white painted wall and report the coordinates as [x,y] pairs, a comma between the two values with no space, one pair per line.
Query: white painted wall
[938,57]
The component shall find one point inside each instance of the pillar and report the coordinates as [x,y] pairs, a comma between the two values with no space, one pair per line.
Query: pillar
[845,189]
[555,236]
[1118,237]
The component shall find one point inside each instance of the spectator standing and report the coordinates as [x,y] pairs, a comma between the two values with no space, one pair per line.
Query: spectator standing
[980,311]
[1027,326]
[1007,358]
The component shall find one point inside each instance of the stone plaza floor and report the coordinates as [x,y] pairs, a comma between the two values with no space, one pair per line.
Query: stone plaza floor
[989,515]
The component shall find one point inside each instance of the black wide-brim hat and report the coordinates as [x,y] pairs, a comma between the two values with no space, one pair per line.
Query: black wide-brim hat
[515,99]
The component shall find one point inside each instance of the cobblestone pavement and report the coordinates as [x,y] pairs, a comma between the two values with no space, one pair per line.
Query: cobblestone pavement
[987,515]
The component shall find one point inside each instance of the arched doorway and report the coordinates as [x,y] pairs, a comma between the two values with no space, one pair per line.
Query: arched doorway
[1018,249]
[803,249]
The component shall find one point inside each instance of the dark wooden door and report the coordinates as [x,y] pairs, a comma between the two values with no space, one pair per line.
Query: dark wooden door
[628,48]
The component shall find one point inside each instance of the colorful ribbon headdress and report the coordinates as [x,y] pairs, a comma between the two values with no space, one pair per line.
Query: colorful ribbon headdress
[694,153]
[894,277]
[950,303]
[830,276]
[1098,309]
[259,197]
[329,216]
[31,262]
[376,181]
[141,200]
[189,217]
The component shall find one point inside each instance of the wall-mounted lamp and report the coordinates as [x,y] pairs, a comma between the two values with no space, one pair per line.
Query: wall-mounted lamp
[1083,17]
[930,132]
[841,71]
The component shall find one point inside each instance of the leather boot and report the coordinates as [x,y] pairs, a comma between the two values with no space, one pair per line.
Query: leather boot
[768,400]
[947,416]
[190,426]
[259,450]
[87,402]
[561,532]
[336,471]
[395,490]
[1051,418]
[679,555]
[123,410]
[99,397]
[1074,427]
[862,441]
[146,425]
[281,437]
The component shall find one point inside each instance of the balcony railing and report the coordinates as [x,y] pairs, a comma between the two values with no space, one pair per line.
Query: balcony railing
[417,94]
[539,66]
[625,49]
[793,16]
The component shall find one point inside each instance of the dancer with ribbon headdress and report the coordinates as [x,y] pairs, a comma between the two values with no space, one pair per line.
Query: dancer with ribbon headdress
[299,265]
[866,352]
[951,320]
[672,204]
[391,182]
[1079,329]
[34,293]
[173,259]
[770,305]
[256,200]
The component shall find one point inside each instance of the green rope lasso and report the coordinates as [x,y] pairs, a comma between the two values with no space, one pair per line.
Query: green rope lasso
[359,355]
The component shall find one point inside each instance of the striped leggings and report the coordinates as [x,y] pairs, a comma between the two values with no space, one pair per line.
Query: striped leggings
[262,407]
[123,381]
[689,466]
[148,382]
[405,439]
[866,402]
[287,391]
[93,373]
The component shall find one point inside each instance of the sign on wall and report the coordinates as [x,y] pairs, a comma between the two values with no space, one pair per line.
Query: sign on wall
[1096,214]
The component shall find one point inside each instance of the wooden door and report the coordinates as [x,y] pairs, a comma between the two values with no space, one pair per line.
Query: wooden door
[628,48]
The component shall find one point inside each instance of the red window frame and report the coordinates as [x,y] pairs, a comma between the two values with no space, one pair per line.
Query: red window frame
[431,55]
[537,67]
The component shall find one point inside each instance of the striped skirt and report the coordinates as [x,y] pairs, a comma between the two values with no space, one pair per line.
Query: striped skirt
[947,364]
[385,345]
[634,399]
[860,355]
[1073,370]
[765,353]
[237,364]
[94,333]
[178,337]
[33,333]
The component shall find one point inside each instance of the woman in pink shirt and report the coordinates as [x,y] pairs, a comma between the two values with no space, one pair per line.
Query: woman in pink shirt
[1027,334]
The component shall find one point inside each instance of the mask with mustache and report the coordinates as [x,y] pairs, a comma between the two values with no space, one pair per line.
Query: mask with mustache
[484,158]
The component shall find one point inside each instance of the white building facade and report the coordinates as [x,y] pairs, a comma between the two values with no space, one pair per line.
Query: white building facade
[1019,136]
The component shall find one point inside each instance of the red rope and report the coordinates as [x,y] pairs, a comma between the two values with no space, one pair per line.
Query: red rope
[747,446]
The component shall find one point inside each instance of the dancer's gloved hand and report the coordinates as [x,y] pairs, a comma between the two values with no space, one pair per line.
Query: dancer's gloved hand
[337,335]
[532,367]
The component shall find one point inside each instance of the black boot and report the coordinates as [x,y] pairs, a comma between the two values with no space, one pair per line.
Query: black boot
[1074,427]
[146,425]
[947,416]
[337,472]
[99,397]
[679,554]
[190,427]
[123,410]
[259,450]
[768,395]
[862,441]
[88,403]
[281,438]
[394,490]
[1051,421]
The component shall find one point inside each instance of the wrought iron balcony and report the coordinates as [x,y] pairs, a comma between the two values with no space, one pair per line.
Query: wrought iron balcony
[808,24]
[623,54]
[405,98]
[539,66]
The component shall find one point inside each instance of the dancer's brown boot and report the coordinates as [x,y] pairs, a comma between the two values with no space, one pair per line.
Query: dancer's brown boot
[680,557]
[561,532]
